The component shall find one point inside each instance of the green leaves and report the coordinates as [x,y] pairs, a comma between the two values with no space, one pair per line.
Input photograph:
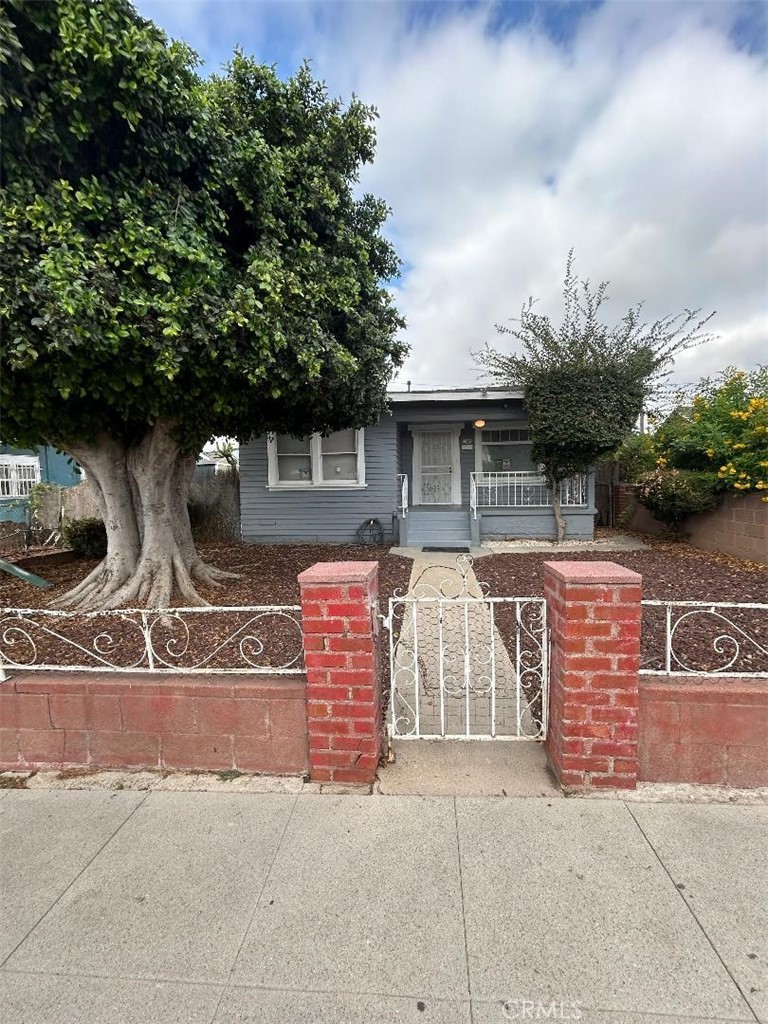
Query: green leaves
[177,246]
[586,382]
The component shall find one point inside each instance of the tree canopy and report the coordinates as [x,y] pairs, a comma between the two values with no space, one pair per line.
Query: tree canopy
[180,256]
[586,381]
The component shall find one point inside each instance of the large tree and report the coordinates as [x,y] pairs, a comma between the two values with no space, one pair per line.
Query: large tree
[585,381]
[180,258]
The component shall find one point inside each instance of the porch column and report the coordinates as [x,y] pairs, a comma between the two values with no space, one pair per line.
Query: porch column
[593,611]
[339,605]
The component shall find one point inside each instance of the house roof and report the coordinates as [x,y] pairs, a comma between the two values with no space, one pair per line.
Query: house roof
[454,394]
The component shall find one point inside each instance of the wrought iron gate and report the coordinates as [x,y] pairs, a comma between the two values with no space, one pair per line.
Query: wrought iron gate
[465,665]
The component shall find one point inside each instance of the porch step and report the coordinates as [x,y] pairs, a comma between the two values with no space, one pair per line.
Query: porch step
[438,526]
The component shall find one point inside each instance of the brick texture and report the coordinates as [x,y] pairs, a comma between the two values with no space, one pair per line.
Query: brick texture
[593,611]
[121,720]
[707,731]
[344,706]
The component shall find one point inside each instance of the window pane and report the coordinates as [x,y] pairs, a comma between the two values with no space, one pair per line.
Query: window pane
[5,480]
[339,467]
[507,458]
[287,445]
[341,441]
[294,468]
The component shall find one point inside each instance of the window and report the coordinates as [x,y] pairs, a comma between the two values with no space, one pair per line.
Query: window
[18,473]
[337,460]
[505,449]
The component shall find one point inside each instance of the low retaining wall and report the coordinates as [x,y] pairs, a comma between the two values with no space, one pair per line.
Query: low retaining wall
[737,527]
[213,723]
[706,731]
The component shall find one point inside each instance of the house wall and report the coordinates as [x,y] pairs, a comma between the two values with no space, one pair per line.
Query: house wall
[55,468]
[320,514]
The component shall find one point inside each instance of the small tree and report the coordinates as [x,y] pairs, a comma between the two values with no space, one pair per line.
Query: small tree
[586,382]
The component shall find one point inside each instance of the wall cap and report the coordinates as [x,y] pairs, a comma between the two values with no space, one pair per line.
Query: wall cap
[596,573]
[339,572]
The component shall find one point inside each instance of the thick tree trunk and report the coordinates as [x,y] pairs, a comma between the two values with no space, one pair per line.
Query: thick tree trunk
[150,552]
[554,491]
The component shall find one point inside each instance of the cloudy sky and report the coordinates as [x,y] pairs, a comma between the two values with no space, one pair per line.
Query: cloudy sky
[634,132]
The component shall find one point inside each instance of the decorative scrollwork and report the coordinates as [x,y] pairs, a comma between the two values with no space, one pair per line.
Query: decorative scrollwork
[234,639]
[706,639]
[465,664]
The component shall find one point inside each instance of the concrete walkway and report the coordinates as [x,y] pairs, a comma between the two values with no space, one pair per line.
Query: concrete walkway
[130,908]
[452,671]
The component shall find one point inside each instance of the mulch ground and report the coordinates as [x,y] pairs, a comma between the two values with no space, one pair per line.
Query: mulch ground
[268,577]
[671,572]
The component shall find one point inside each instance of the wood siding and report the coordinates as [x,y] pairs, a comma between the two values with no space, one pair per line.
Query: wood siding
[320,514]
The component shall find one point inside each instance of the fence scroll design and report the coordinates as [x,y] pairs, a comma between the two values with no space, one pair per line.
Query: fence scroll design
[683,638]
[239,639]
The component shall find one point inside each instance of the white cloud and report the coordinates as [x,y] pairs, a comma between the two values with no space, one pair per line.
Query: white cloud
[643,143]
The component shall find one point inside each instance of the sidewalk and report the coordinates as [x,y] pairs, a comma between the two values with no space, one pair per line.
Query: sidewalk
[126,908]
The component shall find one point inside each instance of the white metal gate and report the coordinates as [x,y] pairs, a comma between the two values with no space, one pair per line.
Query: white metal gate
[466,666]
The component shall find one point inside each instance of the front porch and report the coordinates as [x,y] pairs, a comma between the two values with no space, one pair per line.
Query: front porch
[499,505]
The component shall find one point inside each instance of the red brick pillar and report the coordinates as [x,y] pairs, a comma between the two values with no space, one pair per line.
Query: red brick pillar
[339,606]
[593,611]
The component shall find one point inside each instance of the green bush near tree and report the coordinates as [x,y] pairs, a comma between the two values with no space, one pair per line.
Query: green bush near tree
[673,494]
[86,537]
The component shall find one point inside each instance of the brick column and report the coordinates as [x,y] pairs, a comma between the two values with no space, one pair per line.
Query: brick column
[339,606]
[593,611]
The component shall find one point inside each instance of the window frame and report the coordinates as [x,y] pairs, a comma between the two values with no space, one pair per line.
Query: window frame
[14,462]
[274,483]
[500,425]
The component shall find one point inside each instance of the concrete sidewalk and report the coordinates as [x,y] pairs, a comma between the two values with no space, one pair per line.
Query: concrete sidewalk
[126,907]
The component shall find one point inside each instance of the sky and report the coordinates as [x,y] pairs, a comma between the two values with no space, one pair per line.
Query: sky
[635,133]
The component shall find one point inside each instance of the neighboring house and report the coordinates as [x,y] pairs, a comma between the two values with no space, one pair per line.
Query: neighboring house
[21,468]
[444,467]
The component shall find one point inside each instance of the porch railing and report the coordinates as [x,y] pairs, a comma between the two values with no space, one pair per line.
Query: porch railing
[523,490]
[402,487]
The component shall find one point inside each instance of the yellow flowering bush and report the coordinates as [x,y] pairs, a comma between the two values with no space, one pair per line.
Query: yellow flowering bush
[724,430]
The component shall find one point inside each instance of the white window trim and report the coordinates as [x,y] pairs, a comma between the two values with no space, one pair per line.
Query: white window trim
[511,425]
[316,483]
[14,461]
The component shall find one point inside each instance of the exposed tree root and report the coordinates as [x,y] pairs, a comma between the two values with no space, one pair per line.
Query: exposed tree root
[151,556]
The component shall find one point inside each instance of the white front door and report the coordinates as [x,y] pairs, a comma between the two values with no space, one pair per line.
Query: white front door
[436,468]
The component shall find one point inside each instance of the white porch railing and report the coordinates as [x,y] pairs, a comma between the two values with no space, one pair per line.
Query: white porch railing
[523,490]
[402,487]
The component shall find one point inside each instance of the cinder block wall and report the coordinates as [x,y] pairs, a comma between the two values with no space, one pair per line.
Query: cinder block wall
[737,527]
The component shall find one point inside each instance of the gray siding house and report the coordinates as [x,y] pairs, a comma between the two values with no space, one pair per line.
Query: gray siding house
[443,467]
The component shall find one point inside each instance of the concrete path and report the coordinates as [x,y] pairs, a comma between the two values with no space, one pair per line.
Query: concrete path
[452,670]
[131,908]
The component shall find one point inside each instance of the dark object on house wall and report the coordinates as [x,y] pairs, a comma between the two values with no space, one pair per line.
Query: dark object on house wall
[370,532]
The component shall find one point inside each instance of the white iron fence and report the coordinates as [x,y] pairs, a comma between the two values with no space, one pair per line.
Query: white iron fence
[683,638]
[240,639]
[523,490]
[402,494]
[467,666]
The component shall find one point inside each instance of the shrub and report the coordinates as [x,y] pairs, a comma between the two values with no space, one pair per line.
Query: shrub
[86,537]
[636,456]
[724,430]
[673,494]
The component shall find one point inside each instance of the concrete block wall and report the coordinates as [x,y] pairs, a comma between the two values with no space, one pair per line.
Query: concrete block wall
[704,730]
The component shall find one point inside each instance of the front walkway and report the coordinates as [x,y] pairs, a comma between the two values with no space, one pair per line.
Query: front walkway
[452,667]
[131,908]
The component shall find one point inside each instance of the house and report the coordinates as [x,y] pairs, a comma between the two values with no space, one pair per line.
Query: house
[449,466]
[22,468]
